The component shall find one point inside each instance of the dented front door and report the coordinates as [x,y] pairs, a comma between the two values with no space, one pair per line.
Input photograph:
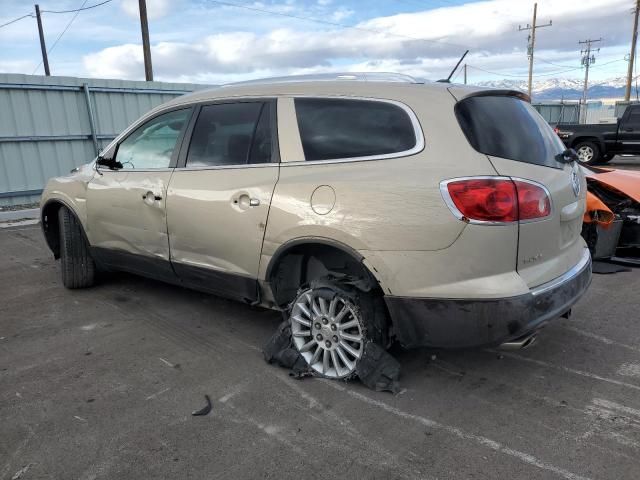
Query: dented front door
[127,220]
[126,204]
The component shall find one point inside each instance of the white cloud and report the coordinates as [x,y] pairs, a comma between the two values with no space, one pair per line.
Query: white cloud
[155,8]
[424,44]
[342,14]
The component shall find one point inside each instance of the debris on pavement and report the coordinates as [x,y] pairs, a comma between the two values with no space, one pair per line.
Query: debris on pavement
[204,410]
[378,370]
[21,472]
[280,350]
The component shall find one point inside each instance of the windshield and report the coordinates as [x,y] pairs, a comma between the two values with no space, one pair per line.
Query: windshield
[510,128]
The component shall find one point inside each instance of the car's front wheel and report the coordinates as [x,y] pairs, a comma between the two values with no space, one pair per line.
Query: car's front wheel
[78,268]
[588,153]
[331,324]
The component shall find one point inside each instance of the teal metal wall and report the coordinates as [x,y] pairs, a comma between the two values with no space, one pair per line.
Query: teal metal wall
[46,127]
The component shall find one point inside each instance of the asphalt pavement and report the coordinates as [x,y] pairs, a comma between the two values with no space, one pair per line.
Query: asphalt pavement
[101,383]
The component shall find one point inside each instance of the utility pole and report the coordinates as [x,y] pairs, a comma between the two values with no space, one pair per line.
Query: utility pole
[532,41]
[634,38]
[45,59]
[465,70]
[146,49]
[587,59]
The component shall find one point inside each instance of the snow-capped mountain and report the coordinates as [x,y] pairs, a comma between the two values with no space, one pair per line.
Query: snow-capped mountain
[565,88]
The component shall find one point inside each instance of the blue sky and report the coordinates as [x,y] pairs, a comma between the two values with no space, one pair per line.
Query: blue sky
[216,42]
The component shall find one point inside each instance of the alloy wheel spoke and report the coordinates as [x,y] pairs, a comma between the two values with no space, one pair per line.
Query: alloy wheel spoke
[299,319]
[347,363]
[304,309]
[350,349]
[323,305]
[349,324]
[332,307]
[351,338]
[302,333]
[334,359]
[316,308]
[325,361]
[316,355]
[307,346]
[341,313]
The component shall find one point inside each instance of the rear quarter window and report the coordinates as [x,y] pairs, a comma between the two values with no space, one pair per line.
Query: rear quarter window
[508,127]
[344,128]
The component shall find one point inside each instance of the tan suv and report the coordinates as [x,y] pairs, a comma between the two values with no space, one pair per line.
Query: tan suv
[432,214]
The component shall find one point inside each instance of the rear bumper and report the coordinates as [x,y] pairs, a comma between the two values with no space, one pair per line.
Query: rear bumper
[460,323]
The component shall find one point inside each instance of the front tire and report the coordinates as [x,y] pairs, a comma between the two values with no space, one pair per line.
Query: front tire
[330,325]
[78,268]
[588,153]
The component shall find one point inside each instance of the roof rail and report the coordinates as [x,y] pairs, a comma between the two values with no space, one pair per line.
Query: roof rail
[333,77]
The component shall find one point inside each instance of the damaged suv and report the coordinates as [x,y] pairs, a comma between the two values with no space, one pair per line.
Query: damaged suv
[370,211]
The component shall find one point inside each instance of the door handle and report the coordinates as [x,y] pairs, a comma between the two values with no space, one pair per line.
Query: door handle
[628,129]
[151,196]
[254,202]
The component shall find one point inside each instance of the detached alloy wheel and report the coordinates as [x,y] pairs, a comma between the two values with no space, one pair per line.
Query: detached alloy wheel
[588,153]
[328,329]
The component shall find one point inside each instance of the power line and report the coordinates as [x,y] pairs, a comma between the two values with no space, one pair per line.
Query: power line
[77,9]
[543,74]
[521,76]
[77,12]
[335,24]
[554,64]
[16,19]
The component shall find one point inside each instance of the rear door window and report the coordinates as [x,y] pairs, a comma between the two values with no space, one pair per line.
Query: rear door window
[231,134]
[333,128]
[508,127]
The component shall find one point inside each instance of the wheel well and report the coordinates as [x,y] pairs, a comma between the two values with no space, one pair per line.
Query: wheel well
[301,263]
[595,140]
[51,227]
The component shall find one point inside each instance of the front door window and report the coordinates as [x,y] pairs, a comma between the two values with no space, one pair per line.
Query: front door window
[152,145]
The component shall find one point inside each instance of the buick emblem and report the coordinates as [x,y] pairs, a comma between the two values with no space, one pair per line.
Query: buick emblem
[575,183]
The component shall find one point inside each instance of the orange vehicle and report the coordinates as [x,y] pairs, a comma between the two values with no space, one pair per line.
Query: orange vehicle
[611,224]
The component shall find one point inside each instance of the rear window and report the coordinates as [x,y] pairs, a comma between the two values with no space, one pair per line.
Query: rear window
[510,128]
[343,128]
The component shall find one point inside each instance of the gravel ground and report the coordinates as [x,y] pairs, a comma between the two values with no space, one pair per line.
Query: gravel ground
[101,383]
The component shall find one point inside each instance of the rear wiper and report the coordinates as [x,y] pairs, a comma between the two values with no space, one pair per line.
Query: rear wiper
[568,156]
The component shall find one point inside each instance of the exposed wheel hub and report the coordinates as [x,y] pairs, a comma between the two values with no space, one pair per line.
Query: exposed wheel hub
[328,333]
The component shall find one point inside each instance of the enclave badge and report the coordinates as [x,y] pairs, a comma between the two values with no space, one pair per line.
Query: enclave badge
[575,183]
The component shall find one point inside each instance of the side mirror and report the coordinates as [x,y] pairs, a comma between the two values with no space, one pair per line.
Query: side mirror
[568,156]
[109,163]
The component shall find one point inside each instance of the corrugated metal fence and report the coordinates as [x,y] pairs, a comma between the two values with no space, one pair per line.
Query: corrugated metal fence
[570,111]
[49,125]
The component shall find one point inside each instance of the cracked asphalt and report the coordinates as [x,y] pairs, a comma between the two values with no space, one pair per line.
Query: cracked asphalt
[101,383]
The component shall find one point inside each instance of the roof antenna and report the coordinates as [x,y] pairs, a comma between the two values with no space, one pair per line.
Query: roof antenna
[448,79]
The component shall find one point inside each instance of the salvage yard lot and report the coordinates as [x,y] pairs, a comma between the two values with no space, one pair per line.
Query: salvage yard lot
[101,383]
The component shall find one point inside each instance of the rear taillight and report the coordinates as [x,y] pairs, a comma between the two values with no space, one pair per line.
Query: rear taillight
[496,199]
[533,200]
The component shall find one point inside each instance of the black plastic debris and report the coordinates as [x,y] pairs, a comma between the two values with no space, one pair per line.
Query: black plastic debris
[204,410]
[378,370]
[280,350]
